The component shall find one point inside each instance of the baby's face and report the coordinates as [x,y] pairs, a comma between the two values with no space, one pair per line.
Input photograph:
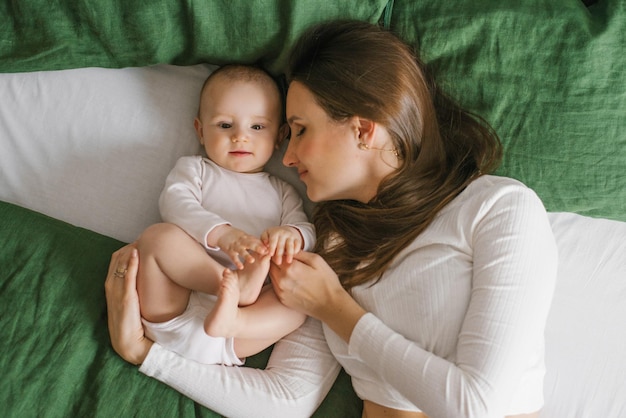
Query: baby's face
[239,124]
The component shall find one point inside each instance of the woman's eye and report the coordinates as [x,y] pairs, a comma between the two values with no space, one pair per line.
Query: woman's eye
[300,132]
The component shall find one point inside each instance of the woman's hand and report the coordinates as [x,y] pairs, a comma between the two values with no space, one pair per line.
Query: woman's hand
[124,318]
[310,286]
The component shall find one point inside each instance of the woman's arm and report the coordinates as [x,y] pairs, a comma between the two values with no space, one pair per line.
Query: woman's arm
[299,374]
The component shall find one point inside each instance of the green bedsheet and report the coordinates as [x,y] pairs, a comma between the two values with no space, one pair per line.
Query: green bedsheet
[550,76]
[43,35]
[56,356]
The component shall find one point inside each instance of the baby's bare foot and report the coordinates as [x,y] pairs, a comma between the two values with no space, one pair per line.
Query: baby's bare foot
[251,280]
[222,320]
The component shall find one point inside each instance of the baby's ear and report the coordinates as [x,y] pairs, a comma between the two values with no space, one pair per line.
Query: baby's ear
[283,133]
[197,124]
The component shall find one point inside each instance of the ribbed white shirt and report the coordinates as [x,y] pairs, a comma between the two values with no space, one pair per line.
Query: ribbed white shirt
[456,323]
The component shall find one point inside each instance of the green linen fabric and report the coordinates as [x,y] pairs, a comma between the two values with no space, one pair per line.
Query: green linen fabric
[42,35]
[550,76]
[57,359]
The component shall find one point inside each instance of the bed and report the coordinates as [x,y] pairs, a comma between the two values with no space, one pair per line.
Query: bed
[97,103]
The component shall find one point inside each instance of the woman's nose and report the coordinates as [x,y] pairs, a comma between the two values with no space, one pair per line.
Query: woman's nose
[289,158]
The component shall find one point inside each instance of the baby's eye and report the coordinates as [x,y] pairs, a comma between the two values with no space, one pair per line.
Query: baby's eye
[257,127]
[224,125]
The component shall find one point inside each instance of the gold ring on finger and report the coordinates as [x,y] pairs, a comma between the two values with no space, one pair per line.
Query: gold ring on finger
[120,272]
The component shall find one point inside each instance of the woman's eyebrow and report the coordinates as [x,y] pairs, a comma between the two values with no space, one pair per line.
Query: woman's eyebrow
[293,119]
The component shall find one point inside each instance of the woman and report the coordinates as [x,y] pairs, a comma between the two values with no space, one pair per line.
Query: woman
[432,280]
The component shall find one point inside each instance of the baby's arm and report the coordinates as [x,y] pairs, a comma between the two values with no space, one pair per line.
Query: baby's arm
[180,201]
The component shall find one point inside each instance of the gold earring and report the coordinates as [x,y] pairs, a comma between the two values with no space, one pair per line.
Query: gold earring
[363,146]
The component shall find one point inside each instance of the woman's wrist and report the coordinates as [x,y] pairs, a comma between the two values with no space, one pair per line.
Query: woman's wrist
[341,314]
[135,354]
[147,345]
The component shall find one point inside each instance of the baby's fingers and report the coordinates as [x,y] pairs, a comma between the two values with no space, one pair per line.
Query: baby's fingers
[277,248]
[281,250]
[258,247]
[290,251]
[241,252]
[292,247]
[235,258]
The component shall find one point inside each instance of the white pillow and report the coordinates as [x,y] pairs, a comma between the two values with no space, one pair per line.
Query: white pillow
[586,329]
[93,146]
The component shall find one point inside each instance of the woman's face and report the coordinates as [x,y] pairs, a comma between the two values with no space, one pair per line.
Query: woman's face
[324,151]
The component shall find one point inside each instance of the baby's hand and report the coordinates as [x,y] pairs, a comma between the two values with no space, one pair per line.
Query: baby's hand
[282,243]
[238,245]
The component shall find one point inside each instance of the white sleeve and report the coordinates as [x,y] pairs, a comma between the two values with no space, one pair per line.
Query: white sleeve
[180,200]
[299,374]
[513,277]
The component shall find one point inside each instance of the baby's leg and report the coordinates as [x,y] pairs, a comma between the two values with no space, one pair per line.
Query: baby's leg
[251,279]
[264,323]
[222,320]
[255,327]
[171,263]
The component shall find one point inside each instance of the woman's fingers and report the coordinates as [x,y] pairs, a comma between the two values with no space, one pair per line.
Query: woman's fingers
[124,318]
[119,260]
[131,271]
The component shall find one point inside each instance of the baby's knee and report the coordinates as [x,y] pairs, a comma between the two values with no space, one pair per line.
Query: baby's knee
[157,237]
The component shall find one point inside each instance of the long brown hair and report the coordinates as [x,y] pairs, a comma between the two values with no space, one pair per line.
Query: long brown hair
[356,68]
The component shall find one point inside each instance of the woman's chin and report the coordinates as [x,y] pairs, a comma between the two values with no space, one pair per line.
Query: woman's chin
[313,198]
[313,195]
[317,196]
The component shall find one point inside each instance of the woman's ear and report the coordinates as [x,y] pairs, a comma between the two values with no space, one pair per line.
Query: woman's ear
[197,124]
[366,130]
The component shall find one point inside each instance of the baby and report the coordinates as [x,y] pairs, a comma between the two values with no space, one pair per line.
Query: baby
[236,219]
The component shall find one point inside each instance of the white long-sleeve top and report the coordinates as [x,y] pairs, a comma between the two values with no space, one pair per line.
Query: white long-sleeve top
[455,326]
[199,196]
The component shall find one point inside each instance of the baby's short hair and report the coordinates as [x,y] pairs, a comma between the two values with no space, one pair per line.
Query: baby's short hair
[243,72]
